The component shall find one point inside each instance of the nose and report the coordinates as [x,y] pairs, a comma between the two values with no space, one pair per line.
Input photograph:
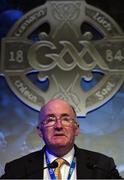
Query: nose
[58,124]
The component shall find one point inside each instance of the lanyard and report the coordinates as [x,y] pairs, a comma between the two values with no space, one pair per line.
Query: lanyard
[52,174]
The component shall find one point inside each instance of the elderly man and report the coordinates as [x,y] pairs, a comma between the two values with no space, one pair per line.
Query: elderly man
[60,158]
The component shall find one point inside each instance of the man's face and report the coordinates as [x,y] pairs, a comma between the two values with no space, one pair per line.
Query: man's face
[59,134]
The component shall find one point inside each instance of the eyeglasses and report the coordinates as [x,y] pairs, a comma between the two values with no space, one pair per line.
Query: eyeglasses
[51,121]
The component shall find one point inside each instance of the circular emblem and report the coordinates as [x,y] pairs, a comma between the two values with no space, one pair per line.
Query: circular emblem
[67,49]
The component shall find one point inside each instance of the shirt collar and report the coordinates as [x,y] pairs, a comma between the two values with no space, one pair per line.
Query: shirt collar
[68,157]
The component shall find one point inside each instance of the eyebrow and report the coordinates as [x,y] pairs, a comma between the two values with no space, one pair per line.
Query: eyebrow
[63,114]
[48,115]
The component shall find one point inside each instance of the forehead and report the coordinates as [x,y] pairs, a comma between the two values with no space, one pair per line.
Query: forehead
[57,107]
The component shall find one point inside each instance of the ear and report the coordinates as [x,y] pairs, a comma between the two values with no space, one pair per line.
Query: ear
[39,131]
[77,130]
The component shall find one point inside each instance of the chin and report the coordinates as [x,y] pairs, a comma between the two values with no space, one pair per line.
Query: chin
[59,143]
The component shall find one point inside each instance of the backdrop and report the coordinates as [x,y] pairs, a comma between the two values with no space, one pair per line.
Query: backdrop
[102,128]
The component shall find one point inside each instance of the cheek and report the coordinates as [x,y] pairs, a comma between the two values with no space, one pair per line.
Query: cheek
[47,134]
[71,132]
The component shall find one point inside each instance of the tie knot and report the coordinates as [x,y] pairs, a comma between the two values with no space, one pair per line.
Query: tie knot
[60,162]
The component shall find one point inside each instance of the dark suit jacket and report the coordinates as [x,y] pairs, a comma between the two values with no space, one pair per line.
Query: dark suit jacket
[90,165]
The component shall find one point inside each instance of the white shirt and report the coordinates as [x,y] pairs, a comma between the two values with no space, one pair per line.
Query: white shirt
[64,169]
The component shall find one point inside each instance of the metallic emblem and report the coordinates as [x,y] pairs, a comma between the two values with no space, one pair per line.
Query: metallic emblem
[56,48]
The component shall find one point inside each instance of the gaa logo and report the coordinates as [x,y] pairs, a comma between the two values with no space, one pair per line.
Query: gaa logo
[66,49]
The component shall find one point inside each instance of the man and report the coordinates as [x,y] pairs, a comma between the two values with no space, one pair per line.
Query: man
[58,127]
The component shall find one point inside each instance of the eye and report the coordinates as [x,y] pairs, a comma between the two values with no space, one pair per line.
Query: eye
[65,118]
[50,119]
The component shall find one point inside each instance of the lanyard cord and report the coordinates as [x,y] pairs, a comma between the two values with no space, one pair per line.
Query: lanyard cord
[52,174]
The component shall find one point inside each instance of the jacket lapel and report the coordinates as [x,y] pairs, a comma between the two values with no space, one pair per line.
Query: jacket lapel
[34,165]
[82,158]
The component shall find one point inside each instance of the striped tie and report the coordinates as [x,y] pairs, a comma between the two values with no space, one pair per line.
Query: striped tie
[57,170]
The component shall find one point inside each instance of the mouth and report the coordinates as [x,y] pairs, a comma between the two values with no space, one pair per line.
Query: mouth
[59,134]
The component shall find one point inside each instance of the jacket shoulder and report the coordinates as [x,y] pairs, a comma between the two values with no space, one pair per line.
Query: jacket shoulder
[26,157]
[91,153]
[94,158]
[20,167]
